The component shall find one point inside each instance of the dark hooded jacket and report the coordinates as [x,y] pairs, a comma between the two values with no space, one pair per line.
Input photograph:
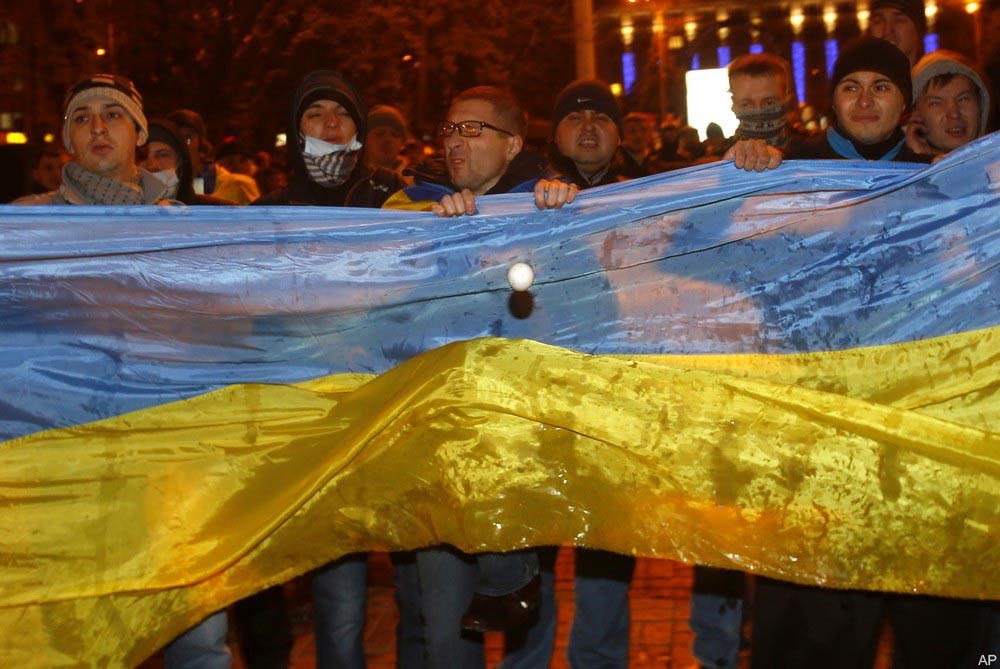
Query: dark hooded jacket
[166,131]
[365,187]
[563,167]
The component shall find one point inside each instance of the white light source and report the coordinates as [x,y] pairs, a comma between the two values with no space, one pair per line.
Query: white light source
[797,18]
[709,100]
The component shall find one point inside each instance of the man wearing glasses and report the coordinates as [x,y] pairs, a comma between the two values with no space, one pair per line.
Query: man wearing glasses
[482,138]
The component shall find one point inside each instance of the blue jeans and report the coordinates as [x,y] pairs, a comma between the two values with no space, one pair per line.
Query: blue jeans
[340,596]
[410,647]
[599,637]
[447,581]
[531,647]
[503,573]
[201,647]
[717,616]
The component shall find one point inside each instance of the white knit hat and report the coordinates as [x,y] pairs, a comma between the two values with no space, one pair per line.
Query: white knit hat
[119,89]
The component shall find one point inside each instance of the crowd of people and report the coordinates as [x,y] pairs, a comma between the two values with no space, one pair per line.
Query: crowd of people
[888,105]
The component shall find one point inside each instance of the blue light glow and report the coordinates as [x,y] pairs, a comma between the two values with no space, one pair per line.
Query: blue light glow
[756,48]
[799,68]
[696,62]
[931,42]
[724,56]
[831,56]
[628,71]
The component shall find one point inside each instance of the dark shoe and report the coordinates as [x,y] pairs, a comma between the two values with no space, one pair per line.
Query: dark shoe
[503,612]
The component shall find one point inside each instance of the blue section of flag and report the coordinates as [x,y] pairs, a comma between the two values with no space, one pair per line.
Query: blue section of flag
[106,310]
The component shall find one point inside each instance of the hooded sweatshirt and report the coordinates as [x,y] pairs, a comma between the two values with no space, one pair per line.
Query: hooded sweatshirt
[948,62]
[365,187]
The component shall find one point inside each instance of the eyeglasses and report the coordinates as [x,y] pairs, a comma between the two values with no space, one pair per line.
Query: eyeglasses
[467,128]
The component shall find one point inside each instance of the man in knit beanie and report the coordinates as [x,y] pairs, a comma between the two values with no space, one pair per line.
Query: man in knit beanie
[587,128]
[952,104]
[103,124]
[386,136]
[902,23]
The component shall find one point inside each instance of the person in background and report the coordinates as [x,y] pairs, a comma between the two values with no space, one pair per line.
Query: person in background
[386,137]
[167,157]
[46,175]
[902,23]
[638,150]
[210,178]
[715,141]
[952,104]
[236,157]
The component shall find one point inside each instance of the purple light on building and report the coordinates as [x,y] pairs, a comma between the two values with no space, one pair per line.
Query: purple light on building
[799,68]
[831,56]
[628,71]
[724,56]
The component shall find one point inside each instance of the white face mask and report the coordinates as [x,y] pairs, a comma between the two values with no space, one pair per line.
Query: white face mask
[317,148]
[169,179]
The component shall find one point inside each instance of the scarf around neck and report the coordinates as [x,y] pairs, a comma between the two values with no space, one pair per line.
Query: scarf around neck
[884,150]
[96,189]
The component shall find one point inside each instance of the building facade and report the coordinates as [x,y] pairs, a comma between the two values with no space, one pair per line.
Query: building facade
[646,46]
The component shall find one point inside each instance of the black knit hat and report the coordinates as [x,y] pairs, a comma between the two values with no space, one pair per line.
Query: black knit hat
[585,94]
[331,85]
[869,54]
[912,8]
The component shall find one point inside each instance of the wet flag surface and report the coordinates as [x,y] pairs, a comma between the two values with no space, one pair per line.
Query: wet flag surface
[793,373]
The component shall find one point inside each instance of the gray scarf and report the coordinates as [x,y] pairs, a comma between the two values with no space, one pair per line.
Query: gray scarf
[96,189]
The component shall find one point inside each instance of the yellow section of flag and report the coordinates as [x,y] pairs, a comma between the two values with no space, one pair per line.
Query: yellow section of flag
[873,468]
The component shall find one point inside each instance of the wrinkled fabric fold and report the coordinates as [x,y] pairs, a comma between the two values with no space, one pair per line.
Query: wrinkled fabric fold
[870,468]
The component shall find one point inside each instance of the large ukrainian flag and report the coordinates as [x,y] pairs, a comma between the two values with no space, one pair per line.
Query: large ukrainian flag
[792,373]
